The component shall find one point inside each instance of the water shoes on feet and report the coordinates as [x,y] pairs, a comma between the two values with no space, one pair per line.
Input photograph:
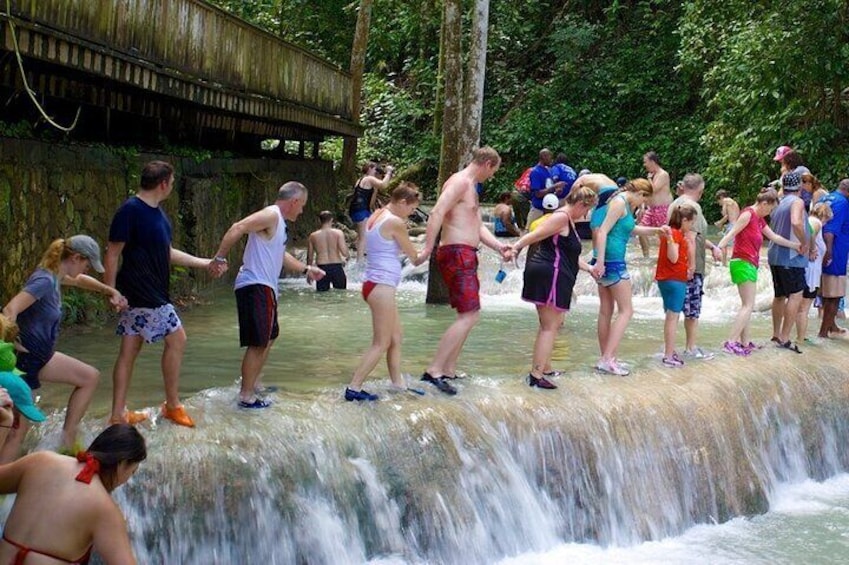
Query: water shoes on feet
[177,415]
[541,383]
[255,404]
[441,383]
[351,395]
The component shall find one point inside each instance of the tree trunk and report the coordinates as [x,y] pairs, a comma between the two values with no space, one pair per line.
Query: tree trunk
[449,158]
[473,95]
[348,172]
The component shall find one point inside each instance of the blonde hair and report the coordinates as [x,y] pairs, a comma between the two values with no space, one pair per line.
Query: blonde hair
[583,195]
[8,329]
[639,185]
[57,252]
[823,211]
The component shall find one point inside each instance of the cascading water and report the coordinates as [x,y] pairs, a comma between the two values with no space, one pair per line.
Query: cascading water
[500,470]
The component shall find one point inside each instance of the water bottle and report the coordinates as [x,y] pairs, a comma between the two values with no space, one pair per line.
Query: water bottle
[501,274]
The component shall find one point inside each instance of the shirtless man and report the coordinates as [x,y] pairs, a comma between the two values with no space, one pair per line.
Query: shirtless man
[657,206]
[327,245]
[458,216]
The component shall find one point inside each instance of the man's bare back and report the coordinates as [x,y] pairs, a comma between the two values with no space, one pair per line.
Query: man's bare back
[730,210]
[329,246]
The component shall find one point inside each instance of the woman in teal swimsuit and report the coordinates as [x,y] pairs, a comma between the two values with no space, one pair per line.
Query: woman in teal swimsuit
[614,282]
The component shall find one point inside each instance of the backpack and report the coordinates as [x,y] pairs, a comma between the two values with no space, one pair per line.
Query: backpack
[523,183]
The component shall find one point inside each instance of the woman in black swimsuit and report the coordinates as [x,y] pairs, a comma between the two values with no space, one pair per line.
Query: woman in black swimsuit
[550,276]
[364,200]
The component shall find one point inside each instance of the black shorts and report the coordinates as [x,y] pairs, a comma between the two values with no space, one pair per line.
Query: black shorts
[810,294]
[334,274]
[787,280]
[31,365]
[257,307]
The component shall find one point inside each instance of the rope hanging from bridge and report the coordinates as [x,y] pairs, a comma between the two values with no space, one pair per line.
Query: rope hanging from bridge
[30,92]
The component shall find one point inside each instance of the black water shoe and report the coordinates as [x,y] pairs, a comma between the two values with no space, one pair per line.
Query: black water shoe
[541,382]
[441,383]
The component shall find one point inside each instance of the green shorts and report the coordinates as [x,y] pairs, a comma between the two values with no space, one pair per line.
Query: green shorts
[742,271]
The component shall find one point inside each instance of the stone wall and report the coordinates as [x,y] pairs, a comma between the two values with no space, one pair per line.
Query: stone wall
[51,190]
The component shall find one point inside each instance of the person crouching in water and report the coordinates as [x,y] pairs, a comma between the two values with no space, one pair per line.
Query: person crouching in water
[385,236]
[676,263]
[550,276]
[64,507]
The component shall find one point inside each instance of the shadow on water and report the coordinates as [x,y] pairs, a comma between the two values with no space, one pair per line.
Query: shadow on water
[499,470]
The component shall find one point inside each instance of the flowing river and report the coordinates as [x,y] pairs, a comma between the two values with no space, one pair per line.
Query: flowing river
[730,460]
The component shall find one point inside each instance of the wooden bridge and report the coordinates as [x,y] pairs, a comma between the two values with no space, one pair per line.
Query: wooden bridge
[180,70]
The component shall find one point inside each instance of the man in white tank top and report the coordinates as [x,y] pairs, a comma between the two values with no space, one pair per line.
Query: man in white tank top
[256,284]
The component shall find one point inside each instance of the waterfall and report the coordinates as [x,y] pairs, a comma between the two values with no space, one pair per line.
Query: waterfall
[497,471]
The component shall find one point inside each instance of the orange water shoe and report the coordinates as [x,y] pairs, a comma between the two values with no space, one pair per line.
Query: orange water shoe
[177,415]
[130,417]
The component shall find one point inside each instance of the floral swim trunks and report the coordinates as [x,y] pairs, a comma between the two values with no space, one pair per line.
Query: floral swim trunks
[152,324]
[655,216]
[458,264]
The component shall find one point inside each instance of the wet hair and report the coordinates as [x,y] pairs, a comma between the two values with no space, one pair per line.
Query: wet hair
[720,194]
[692,181]
[791,160]
[155,173]
[815,182]
[291,190]
[679,214]
[116,444]
[407,192]
[652,156]
[768,196]
[582,195]
[505,197]
[639,185]
[823,211]
[57,251]
[484,155]
[368,165]
[560,159]
[325,216]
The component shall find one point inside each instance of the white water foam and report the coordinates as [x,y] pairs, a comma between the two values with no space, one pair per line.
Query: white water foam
[807,523]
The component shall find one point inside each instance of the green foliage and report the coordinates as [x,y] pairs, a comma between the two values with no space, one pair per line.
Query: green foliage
[82,307]
[711,86]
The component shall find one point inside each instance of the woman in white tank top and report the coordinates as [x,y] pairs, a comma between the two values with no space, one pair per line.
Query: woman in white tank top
[385,236]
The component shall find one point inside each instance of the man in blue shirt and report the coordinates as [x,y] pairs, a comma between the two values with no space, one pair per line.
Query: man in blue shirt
[561,172]
[836,236]
[542,184]
[140,237]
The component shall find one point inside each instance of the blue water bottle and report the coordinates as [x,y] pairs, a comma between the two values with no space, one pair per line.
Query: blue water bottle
[501,274]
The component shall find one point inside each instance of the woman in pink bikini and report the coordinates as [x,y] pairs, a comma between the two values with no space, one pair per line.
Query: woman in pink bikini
[385,237]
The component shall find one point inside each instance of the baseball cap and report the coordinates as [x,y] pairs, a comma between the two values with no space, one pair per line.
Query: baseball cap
[8,359]
[21,395]
[791,181]
[88,248]
[550,202]
[781,152]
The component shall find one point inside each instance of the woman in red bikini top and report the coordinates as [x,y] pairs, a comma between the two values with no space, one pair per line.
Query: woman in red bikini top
[64,506]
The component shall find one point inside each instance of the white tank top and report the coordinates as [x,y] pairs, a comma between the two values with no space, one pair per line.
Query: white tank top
[382,263]
[263,258]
